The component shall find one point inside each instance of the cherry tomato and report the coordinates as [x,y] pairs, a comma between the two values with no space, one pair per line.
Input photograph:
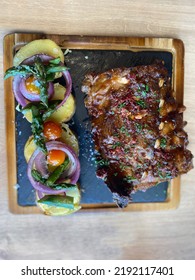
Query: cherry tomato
[52,130]
[32,85]
[56,157]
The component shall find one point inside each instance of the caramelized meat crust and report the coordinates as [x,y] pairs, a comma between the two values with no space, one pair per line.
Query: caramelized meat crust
[137,128]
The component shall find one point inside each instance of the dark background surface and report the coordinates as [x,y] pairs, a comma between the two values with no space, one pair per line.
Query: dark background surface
[81,62]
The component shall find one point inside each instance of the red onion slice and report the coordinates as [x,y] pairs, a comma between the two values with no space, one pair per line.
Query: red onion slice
[74,178]
[74,171]
[67,93]
[21,95]
[34,96]
[37,185]
[17,93]
[31,60]
[41,165]
[40,195]
[66,74]
[17,79]
[38,155]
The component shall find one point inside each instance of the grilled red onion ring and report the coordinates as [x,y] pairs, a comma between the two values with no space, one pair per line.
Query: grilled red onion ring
[21,99]
[33,96]
[66,74]
[41,165]
[17,93]
[74,171]
[37,159]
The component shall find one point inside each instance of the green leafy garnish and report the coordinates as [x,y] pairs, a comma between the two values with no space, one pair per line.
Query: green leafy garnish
[122,105]
[163,143]
[50,110]
[117,144]
[141,103]
[124,130]
[39,115]
[143,93]
[37,176]
[50,182]
[58,201]
[129,179]
[102,162]
[43,73]
[165,175]
[37,128]
[138,127]
[147,88]
[55,61]
[64,186]
[21,70]
[57,172]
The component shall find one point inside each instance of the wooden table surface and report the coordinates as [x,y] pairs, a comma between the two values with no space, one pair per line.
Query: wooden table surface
[103,235]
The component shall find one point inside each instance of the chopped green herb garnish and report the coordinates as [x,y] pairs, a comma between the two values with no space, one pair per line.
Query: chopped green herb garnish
[124,130]
[122,166]
[138,127]
[126,150]
[144,93]
[129,179]
[163,143]
[116,134]
[141,103]
[102,162]
[147,88]
[122,105]
[166,175]
[117,144]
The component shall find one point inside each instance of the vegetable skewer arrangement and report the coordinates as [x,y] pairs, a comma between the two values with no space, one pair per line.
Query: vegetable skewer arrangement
[53,167]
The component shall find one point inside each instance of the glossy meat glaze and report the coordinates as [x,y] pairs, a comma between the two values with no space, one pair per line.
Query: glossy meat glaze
[137,128]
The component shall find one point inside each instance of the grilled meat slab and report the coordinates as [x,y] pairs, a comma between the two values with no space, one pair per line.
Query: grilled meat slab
[137,128]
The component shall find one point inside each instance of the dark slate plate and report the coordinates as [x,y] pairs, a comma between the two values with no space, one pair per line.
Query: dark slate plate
[81,62]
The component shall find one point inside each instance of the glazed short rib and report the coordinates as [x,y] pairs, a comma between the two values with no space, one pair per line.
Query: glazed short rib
[137,128]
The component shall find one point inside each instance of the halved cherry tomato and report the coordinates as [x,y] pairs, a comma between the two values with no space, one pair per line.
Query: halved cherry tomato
[52,130]
[32,85]
[56,157]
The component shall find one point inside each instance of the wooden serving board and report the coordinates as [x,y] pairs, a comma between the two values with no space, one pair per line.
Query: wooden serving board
[90,53]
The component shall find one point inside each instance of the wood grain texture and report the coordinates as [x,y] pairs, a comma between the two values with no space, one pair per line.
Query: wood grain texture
[107,235]
[13,42]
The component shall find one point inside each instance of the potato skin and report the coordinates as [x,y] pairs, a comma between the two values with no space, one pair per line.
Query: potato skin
[29,148]
[67,110]
[64,113]
[68,137]
[60,211]
[40,46]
